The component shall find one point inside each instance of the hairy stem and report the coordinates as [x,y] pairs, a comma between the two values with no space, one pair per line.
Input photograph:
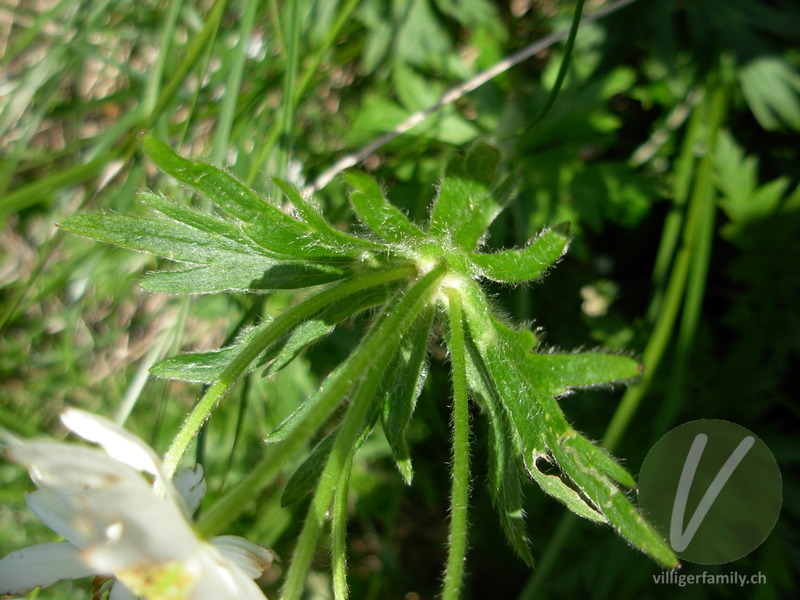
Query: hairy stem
[457,544]
[339,535]
[369,361]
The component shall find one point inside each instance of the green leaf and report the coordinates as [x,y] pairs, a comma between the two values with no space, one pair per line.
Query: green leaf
[465,208]
[540,429]
[199,367]
[556,374]
[499,369]
[243,274]
[554,486]
[203,221]
[503,360]
[219,187]
[505,485]
[226,263]
[227,259]
[421,37]
[331,236]
[378,116]
[298,416]
[418,92]
[602,460]
[772,89]
[525,264]
[206,367]
[376,212]
[265,224]
[304,480]
[169,239]
[310,331]
[526,420]
[737,177]
[288,238]
[590,477]
[402,387]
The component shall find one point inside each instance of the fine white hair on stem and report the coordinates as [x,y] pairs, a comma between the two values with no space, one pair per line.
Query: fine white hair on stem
[452,95]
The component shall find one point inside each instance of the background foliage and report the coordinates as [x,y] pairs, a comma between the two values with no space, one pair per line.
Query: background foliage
[672,149]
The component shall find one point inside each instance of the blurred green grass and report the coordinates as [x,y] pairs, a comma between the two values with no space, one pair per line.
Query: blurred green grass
[283,89]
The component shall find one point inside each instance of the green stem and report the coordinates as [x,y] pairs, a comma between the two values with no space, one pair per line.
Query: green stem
[289,82]
[196,48]
[38,191]
[339,534]
[166,40]
[656,345]
[691,261]
[564,67]
[673,224]
[700,235]
[312,70]
[459,501]
[366,366]
[233,84]
[238,365]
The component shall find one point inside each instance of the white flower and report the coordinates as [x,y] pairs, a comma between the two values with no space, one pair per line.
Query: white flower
[116,524]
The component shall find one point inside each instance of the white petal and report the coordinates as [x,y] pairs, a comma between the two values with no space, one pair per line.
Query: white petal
[41,566]
[191,486]
[69,467]
[120,444]
[59,513]
[251,558]
[140,528]
[220,578]
[120,592]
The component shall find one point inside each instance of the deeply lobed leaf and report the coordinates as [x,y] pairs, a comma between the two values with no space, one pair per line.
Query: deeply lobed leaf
[514,381]
[525,385]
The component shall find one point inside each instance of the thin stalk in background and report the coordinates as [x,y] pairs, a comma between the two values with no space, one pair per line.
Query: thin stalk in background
[270,138]
[673,224]
[195,50]
[563,68]
[123,144]
[153,87]
[288,99]
[700,232]
[695,250]
[342,16]
[233,84]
